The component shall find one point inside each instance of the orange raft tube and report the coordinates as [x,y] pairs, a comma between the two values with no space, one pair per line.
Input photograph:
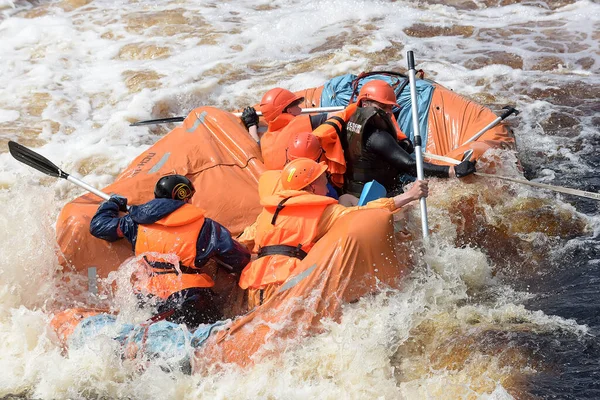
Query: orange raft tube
[452,119]
[357,257]
[211,148]
[214,150]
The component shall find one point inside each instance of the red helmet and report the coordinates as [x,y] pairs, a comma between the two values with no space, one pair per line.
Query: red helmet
[304,144]
[300,173]
[379,91]
[275,101]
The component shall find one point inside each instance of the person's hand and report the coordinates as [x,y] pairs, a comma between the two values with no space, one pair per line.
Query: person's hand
[418,189]
[407,145]
[249,117]
[119,201]
[464,168]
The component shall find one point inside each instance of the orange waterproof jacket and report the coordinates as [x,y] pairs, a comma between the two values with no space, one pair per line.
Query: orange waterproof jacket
[176,233]
[289,217]
[329,135]
[274,142]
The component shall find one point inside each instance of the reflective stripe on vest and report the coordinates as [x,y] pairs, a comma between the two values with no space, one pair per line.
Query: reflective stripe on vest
[296,224]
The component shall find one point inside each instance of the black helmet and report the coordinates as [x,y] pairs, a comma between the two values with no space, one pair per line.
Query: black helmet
[176,187]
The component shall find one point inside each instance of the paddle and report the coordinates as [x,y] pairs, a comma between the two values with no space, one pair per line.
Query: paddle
[560,189]
[42,164]
[417,135]
[509,111]
[238,114]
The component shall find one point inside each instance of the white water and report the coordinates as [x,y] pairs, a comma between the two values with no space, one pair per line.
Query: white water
[68,92]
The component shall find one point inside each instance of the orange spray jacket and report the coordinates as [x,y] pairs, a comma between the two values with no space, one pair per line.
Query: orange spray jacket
[176,233]
[274,142]
[289,218]
[310,218]
[329,134]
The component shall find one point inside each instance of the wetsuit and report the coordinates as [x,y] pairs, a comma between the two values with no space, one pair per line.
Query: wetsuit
[373,152]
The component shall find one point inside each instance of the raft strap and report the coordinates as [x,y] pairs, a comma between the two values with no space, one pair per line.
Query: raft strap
[280,207]
[169,268]
[282,250]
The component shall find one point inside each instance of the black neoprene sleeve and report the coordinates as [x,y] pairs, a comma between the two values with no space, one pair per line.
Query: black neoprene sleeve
[382,144]
[316,120]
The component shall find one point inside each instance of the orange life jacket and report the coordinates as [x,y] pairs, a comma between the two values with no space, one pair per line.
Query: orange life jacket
[269,183]
[329,134]
[288,221]
[176,233]
[274,142]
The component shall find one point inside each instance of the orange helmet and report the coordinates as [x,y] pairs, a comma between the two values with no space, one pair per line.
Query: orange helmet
[379,91]
[275,101]
[300,173]
[304,144]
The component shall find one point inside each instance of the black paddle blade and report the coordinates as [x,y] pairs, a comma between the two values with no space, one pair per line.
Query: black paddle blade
[34,160]
[158,121]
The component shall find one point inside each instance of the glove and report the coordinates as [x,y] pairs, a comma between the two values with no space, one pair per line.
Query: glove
[249,117]
[407,145]
[119,201]
[464,168]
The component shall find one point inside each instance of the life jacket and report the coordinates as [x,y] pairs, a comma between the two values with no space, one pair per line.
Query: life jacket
[176,233]
[331,135]
[269,183]
[286,230]
[274,142]
[362,166]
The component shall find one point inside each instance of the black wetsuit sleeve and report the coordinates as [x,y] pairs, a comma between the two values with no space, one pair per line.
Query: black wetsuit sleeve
[382,144]
[316,120]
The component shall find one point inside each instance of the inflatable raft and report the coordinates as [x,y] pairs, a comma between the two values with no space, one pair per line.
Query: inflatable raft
[213,149]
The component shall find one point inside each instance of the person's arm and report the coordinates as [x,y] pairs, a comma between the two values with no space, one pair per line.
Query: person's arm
[250,120]
[107,225]
[215,241]
[417,190]
[317,120]
[335,211]
[385,146]
[253,131]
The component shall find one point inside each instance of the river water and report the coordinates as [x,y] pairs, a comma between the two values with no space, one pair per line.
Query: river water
[513,308]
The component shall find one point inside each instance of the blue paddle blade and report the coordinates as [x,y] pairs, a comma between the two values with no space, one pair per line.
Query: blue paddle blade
[371,191]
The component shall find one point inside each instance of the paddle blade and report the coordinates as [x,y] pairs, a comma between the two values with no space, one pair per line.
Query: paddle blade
[158,121]
[34,160]
[371,191]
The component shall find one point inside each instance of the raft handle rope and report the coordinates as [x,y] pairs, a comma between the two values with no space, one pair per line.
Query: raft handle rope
[560,189]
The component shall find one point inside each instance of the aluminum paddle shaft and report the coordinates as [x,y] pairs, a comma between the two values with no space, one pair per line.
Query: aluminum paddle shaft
[418,152]
[509,111]
[237,114]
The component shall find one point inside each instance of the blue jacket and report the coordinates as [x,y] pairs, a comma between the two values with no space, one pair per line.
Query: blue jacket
[214,239]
